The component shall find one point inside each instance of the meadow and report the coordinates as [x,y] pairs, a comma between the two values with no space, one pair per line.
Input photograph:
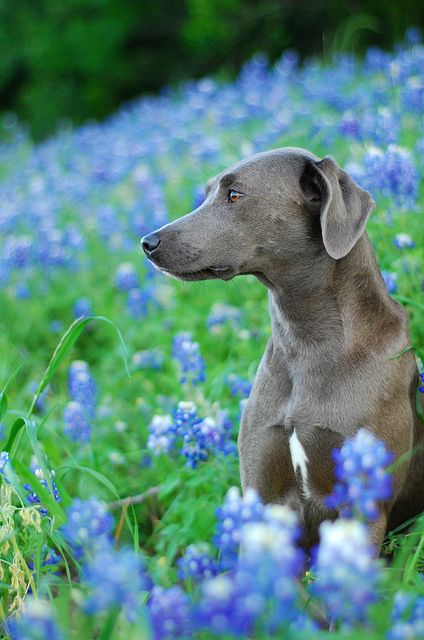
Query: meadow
[120,512]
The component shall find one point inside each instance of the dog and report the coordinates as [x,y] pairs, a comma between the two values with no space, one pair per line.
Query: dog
[332,363]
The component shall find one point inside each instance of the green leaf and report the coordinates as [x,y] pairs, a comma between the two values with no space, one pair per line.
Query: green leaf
[16,427]
[409,301]
[3,404]
[63,348]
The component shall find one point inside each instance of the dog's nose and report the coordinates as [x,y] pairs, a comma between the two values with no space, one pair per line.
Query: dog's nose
[150,243]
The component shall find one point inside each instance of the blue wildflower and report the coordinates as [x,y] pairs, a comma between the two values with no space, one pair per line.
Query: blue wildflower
[346,571]
[224,608]
[188,428]
[88,526]
[126,277]
[138,300]
[37,622]
[197,563]
[270,562]
[4,461]
[407,619]
[238,386]
[50,485]
[421,387]
[198,197]
[236,511]
[77,427]
[403,241]
[390,280]
[169,612]
[362,480]
[149,359]
[222,313]
[82,387]
[114,579]
[187,354]
[82,308]
[161,434]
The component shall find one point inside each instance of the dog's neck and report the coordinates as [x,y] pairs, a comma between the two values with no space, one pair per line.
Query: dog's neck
[331,305]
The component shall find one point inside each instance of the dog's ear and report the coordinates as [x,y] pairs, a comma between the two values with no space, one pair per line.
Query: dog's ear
[343,206]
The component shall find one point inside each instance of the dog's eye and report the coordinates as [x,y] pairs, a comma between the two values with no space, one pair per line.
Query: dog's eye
[233,195]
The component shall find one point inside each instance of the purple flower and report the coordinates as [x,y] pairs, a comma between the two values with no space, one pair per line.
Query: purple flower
[114,579]
[126,277]
[50,485]
[82,308]
[407,619]
[346,571]
[188,428]
[403,241]
[89,525]
[187,354]
[149,359]
[77,427]
[421,387]
[362,480]
[390,280]
[82,387]
[197,563]
[161,434]
[235,512]
[239,386]
[169,612]
[37,622]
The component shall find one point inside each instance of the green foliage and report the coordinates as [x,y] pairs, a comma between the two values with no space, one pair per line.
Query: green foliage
[74,60]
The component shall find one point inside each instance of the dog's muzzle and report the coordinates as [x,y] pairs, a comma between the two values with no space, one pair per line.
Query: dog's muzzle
[150,243]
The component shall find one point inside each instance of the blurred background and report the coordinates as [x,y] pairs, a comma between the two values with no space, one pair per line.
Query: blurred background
[69,61]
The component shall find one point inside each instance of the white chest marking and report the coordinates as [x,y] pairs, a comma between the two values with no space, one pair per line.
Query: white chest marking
[299,460]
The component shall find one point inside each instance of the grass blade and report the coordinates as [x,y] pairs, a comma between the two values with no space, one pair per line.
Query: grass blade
[66,343]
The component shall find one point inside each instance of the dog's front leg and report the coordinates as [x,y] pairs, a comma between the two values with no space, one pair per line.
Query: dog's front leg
[265,463]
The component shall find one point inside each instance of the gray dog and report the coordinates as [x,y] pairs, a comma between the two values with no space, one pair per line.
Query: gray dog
[297,224]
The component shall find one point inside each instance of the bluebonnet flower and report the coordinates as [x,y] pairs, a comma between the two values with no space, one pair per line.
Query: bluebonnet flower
[407,619]
[235,512]
[224,607]
[149,359]
[197,563]
[262,586]
[114,578]
[77,427]
[37,622]
[238,386]
[362,479]
[126,277]
[82,308]
[50,485]
[346,571]
[4,461]
[221,313]
[22,291]
[188,428]
[88,526]
[403,241]
[82,387]
[138,300]
[161,434]
[169,612]
[421,386]
[390,280]
[187,354]
[198,197]
[270,561]
[392,173]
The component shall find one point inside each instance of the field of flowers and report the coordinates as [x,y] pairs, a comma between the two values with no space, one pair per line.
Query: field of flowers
[120,515]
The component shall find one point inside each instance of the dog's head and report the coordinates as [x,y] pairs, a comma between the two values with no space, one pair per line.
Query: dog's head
[264,211]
